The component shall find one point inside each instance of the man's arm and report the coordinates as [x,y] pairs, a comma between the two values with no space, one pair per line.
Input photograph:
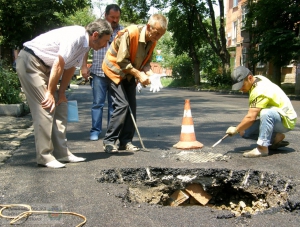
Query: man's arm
[84,68]
[56,71]
[140,76]
[248,120]
[65,80]
[147,69]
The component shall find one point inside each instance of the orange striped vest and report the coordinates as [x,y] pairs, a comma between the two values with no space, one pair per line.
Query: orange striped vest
[109,65]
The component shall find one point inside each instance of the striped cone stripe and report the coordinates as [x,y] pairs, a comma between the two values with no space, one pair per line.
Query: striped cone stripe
[187,136]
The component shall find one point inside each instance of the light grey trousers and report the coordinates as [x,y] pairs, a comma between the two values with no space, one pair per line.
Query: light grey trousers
[49,128]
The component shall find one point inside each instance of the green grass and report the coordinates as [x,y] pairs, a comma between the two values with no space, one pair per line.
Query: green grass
[170,82]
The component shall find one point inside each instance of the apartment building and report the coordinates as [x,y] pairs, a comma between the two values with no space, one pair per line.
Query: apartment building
[238,42]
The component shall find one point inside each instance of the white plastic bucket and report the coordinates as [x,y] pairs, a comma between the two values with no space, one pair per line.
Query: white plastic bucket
[73,111]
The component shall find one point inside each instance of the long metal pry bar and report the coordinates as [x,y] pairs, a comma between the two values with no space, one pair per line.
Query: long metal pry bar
[220,140]
[137,130]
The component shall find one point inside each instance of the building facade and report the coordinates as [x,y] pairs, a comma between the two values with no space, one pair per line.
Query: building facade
[238,42]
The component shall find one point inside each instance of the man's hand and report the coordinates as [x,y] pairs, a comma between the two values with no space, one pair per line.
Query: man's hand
[85,72]
[231,131]
[155,82]
[143,79]
[48,102]
[61,98]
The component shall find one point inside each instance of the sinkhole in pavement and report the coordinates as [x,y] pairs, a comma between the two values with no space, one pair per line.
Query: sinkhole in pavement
[240,191]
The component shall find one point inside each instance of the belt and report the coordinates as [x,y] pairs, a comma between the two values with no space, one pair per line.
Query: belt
[33,54]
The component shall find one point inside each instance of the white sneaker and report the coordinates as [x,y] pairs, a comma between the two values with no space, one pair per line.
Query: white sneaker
[71,158]
[255,153]
[54,164]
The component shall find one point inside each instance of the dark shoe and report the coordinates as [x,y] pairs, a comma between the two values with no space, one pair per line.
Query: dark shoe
[278,145]
[110,148]
[129,147]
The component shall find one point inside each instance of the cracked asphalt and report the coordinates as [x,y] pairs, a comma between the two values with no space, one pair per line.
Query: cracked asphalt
[159,117]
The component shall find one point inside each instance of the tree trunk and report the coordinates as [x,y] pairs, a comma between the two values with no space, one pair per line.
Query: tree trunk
[196,63]
[196,67]
[276,78]
[297,80]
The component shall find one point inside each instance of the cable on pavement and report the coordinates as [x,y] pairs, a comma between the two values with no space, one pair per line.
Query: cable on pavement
[30,212]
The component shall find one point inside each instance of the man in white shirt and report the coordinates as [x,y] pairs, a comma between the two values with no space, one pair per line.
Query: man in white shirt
[40,65]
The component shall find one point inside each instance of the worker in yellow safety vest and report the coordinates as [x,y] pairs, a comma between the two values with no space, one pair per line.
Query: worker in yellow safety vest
[127,62]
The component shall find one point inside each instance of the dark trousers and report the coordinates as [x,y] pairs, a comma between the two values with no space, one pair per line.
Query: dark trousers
[121,125]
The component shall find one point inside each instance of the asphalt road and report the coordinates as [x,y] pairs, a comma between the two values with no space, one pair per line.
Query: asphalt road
[159,118]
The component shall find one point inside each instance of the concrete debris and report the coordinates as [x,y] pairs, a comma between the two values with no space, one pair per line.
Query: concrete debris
[177,198]
[242,208]
[197,156]
[196,191]
[193,192]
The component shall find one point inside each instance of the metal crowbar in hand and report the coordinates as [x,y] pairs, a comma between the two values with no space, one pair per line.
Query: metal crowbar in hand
[137,130]
[224,137]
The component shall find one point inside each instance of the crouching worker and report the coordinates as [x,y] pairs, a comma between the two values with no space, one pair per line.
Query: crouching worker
[274,109]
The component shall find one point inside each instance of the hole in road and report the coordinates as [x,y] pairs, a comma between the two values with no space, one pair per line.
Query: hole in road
[244,191]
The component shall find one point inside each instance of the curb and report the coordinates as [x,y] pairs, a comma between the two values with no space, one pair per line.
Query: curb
[230,92]
[12,109]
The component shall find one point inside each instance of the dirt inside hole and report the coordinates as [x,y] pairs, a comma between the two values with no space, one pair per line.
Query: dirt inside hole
[223,197]
[246,191]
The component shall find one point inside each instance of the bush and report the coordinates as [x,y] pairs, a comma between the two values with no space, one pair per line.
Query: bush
[215,78]
[182,71]
[10,86]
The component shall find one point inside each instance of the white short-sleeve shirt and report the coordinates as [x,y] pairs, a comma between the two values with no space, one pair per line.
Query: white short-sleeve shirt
[71,42]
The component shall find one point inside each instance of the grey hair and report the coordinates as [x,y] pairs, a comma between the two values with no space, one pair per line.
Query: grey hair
[158,18]
[101,26]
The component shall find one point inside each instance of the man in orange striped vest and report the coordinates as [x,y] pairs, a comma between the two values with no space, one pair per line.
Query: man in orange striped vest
[126,62]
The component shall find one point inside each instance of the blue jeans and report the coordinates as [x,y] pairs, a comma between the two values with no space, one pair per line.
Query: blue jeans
[100,86]
[265,128]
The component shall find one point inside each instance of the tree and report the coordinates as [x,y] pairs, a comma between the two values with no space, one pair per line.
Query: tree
[166,46]
[214,33]
[192,22]
[185,33]
[135,11]
[21,21]
[81,17]
[274,26]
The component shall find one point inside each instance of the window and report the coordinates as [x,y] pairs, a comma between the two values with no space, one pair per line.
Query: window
[244,14]
[234,32]
[235,3]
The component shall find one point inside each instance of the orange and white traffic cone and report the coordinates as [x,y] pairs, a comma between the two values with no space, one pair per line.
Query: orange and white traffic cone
[187,137]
